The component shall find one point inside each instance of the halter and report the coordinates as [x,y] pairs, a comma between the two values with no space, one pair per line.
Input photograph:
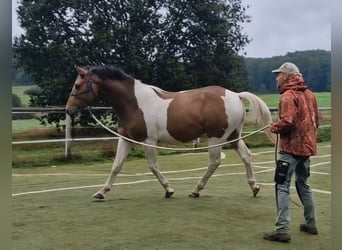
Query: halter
[88,89]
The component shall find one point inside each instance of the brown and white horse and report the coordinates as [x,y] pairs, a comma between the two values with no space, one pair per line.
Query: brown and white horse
[149,114]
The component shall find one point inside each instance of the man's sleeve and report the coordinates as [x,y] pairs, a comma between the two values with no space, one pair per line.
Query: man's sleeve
[288,113]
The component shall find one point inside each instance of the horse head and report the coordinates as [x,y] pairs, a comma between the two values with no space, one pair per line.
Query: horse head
[84,92]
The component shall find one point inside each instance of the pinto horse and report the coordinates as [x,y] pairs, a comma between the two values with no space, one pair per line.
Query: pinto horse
[150,115]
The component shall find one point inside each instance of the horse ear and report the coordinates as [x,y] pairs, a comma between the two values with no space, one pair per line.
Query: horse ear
[80,70]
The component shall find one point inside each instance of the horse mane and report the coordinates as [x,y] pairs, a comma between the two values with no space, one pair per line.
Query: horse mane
[109,72]
[114,73]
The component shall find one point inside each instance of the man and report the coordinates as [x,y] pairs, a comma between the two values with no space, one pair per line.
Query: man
[297,128]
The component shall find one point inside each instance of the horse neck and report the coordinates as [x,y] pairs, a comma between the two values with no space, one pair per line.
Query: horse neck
[120,95]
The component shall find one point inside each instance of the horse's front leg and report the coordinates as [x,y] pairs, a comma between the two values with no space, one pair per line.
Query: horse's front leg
[151,155]
[123,149]
[246,156]
[214,162]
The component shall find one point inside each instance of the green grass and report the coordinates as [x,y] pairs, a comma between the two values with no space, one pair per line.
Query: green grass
[22,125]
[323,99]
[19,91]
[136,216]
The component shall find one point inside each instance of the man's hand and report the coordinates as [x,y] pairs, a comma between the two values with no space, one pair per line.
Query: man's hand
[273,128]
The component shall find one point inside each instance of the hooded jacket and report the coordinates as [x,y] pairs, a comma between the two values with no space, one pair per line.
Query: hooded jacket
[298,118]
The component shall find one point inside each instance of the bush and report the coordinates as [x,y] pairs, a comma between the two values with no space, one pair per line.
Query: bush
[324,134]
[33,91]
[16,102]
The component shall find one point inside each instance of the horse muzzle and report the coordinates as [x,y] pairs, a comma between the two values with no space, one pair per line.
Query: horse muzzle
[71,112]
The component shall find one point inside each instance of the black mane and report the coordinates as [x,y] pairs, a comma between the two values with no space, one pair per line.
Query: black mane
[109,72]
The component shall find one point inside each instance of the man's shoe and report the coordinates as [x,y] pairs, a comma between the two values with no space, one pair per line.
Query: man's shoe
[309,230]
[277,236]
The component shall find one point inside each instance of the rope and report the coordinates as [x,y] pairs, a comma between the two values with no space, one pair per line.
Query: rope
[276,149]
[168,148]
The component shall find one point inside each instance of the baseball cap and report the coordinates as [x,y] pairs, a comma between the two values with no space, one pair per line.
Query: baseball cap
[287,68]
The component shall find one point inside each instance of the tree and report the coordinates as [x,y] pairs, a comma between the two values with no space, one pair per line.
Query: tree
[201,42]
[172,44]
[314,65]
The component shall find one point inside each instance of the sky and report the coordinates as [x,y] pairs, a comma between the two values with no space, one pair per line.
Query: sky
[276,27]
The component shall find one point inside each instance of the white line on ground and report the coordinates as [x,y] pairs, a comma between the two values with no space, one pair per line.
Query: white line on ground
[267,169]
[149,180]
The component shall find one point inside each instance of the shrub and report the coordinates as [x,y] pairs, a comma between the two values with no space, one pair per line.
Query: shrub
[16,102]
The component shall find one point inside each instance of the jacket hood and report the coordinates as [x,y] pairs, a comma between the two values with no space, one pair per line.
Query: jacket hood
[295,82]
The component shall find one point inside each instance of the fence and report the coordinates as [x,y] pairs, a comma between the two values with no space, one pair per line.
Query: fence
[68,139]
[68,127]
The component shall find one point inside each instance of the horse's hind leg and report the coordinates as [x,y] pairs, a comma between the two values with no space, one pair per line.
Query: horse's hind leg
[246,156]
[151,155]
[214,162]
[124,147]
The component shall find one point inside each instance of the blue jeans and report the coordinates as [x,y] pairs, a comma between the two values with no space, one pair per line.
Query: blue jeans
[300,166]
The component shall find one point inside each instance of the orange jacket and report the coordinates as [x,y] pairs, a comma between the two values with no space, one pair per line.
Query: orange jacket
[298,119]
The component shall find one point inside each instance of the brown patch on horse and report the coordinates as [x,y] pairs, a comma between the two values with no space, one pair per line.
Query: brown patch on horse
[131,122]
[195,112]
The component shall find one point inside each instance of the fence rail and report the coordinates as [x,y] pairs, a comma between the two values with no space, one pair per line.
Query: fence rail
[56,109]
[68,128]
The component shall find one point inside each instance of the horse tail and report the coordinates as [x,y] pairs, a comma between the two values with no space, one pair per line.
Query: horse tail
[260,112]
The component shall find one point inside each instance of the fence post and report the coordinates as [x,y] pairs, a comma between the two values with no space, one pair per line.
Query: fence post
[67,135]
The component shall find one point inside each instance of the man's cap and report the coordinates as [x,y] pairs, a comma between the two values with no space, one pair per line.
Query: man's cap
[287,68]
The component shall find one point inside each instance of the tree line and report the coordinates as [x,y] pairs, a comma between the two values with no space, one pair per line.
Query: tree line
[315,65]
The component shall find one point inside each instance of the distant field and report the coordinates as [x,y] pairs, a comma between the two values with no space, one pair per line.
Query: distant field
[22,125]
[323,99]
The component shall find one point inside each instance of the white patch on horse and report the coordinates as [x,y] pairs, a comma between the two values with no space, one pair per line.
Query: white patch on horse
[155,112]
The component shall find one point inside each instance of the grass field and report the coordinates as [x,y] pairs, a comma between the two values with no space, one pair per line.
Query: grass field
[53,208]
[20,92]
[323,99]
[22,125]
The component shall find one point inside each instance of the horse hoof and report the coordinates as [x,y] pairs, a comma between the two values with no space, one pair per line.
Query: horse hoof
[98,196]
[194,195]
[168,194]
[256,191]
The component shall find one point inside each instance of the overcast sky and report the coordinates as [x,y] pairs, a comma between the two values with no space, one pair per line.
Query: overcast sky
[277,27]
